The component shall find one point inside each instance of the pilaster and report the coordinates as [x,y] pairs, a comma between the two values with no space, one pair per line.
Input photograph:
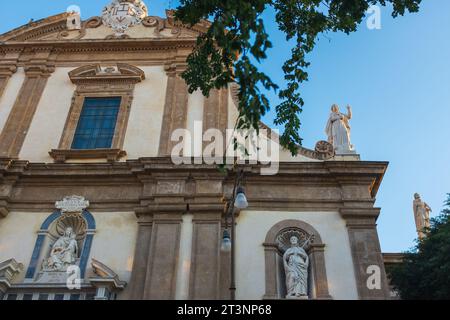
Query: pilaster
[175,108]
[205,265]
[161,273]
[366,251]
[37,71]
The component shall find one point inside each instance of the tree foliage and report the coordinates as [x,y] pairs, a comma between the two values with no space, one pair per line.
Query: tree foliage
[425,271]
[237,41]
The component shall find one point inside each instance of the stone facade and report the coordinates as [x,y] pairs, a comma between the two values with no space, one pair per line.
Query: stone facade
[155,227]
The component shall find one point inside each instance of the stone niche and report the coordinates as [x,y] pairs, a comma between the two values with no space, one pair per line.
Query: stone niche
[64,241]
[55,264]
[277,242]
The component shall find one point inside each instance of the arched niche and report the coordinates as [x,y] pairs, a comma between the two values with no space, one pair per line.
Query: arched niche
[47,236]
[274,272]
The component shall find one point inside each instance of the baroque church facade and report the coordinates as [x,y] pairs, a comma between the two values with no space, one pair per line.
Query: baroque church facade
[88,187]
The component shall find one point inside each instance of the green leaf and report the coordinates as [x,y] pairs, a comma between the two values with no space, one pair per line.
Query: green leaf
[237,37]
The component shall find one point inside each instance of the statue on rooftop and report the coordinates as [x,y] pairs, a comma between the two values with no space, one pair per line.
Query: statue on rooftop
[421,215]
[338,130]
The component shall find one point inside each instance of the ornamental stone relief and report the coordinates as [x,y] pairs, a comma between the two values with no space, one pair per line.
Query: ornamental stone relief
[72,204]
[120,15]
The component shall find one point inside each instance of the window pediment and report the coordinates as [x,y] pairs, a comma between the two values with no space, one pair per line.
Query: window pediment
[107,73]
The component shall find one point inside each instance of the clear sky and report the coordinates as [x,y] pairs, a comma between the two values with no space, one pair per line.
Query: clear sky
[397,79]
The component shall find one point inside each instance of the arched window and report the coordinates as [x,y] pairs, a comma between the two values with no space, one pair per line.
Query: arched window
[277,242]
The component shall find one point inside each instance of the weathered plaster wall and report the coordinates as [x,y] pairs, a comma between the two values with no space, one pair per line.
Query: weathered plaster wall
[18,233]
[144,125]
[115,240]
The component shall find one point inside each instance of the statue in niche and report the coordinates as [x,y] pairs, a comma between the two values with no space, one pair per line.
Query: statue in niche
[338,130]
[64,252]
[296,262]
[421,215]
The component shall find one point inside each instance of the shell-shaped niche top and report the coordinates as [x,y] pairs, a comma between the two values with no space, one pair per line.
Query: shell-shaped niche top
[71,208]
[71,220]
[284,239]
[120,15]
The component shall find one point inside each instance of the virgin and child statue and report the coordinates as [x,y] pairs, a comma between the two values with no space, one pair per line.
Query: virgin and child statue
[64,252]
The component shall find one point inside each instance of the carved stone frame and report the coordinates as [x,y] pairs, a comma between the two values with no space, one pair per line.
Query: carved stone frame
[317,259]
[95,81]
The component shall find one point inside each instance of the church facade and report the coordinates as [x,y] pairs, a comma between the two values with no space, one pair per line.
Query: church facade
[89,191]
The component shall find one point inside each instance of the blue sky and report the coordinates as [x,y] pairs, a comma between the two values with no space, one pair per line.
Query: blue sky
[397,79]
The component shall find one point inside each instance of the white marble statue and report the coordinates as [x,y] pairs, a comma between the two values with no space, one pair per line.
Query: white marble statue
[421,215]
[338,130]
[64,252]
[296,263]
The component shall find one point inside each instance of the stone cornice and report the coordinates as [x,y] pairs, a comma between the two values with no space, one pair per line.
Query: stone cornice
[111,155]
[7,70]
[35,28]
[8,62]
[350,172]
[201,27]
[37,69]
[101,45]
[393,258]
[152,185]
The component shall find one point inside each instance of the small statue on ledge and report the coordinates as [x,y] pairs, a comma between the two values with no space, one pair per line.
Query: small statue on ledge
[338,130]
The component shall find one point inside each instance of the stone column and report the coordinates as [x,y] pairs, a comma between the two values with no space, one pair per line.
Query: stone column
[37,72]
[366,251]
[317,256]
[215,115]
[205,265]
[160,280]
[141,254]
[271,271]
[175,108]
[102,293]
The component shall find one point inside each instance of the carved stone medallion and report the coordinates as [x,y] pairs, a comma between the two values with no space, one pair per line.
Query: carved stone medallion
[324,147]
[120,15]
